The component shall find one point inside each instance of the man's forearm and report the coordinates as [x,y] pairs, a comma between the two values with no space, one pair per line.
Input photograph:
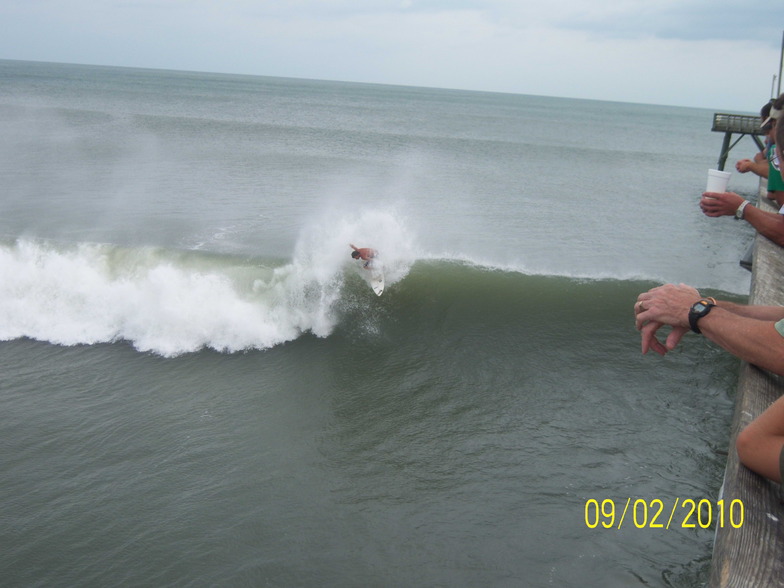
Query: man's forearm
[767,224]
[753,340]
[761,313]
[759,168]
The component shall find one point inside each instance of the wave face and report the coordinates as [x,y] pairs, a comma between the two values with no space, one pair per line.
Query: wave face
[171,302]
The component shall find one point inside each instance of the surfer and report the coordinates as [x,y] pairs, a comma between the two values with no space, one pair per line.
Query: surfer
[364,253]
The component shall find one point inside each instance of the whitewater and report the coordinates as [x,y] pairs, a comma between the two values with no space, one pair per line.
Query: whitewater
[177,301]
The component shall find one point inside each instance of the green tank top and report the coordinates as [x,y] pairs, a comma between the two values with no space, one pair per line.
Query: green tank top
[775,182]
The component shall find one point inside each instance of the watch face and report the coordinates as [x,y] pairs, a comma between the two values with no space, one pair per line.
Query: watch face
[699,307]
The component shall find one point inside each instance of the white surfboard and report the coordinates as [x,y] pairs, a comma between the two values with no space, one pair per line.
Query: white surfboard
[373,275]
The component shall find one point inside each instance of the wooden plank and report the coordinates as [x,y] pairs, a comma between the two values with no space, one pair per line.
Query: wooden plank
[753,555]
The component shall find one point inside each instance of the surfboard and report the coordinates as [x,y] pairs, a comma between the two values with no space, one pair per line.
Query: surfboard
[373,275]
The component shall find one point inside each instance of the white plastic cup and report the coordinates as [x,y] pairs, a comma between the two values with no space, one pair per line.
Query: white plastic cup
[717,181]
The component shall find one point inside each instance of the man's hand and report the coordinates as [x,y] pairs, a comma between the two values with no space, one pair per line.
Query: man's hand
[664,305]
[649,340]
[720,203]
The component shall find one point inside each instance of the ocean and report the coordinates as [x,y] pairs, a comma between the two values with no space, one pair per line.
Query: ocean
[200,389]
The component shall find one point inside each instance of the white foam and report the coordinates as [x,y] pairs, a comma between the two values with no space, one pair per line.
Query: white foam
[91,293]
[170,302]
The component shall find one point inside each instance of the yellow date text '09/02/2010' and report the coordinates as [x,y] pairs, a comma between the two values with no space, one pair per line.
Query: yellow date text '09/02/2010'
[654,514]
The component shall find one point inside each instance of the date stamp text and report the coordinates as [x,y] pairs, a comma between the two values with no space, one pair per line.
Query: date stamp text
[657,514]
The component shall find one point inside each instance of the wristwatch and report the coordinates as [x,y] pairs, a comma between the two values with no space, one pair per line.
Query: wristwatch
[739,212]
[698,310]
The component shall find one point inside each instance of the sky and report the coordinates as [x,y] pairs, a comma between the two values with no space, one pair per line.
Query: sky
[717,54]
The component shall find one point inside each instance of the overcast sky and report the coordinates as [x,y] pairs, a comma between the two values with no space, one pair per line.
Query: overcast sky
[716,54]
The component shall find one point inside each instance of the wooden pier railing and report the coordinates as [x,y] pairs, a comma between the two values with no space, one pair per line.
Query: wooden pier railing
[752,555]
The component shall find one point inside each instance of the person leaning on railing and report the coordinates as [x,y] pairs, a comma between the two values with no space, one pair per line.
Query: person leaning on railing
[768,224]
[752,333]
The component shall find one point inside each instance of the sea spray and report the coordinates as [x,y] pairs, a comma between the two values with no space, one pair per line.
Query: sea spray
[323,243]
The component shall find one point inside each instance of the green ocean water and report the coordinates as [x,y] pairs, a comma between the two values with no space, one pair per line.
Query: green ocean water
[200,389]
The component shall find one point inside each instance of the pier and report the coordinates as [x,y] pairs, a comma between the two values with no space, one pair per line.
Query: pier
[752,555]
[736,124]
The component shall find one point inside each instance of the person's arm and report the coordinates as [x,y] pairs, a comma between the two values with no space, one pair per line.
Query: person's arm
[755,341]
[767,224]
[746,331]
[758,167]
[761,313]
